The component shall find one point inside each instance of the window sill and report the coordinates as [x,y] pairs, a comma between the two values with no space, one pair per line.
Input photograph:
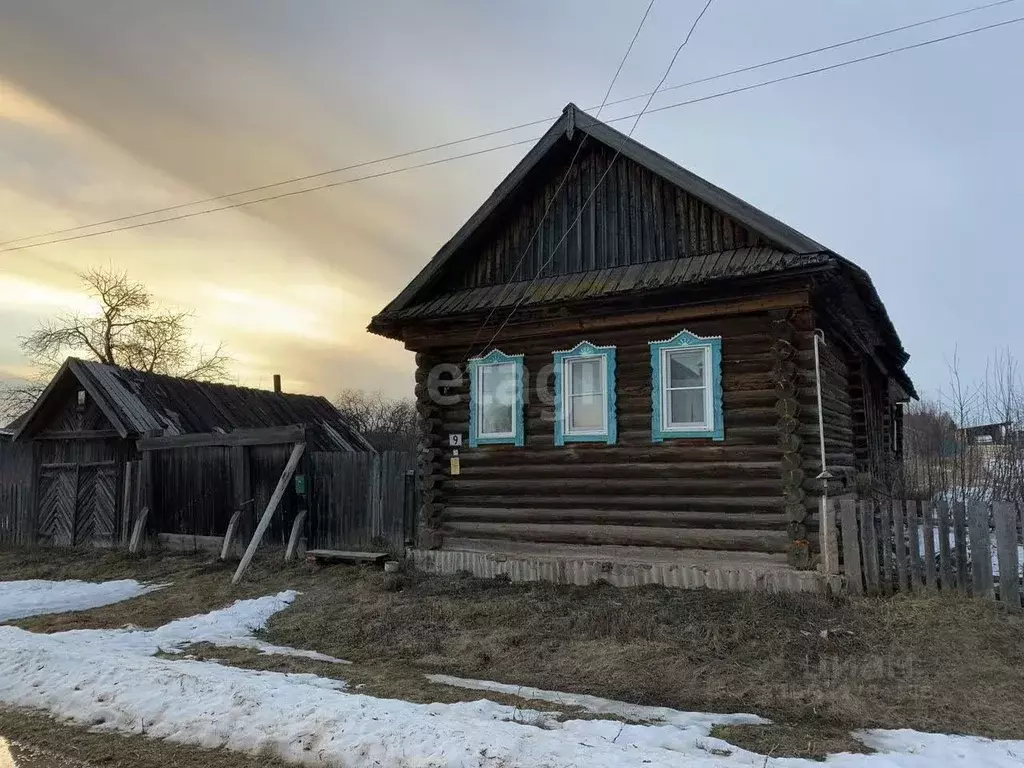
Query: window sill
[688,434]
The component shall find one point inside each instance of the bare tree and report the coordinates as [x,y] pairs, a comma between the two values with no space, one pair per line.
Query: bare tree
[388,423]
[129,329]
[945,458]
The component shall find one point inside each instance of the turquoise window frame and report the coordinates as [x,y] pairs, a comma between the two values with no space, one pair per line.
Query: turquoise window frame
[495,357]
[681,341]
[561,360]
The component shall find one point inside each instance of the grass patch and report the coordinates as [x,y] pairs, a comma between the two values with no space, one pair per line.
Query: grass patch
[779,740]
[817,665]
[47,740]
[198,584]
[385,681]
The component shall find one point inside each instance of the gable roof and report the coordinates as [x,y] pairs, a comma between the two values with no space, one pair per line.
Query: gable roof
[138,403]
[573,119]
[777,249]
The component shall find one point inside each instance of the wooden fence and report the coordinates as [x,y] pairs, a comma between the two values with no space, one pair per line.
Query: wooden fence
[973,548]
[360,500]
[15,493]
[353,500]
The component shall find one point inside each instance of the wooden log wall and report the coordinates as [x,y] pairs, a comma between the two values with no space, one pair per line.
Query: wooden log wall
[786,381]
[679,493]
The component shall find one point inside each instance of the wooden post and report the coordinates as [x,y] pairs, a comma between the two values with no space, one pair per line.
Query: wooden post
[241,487]
[960,544]
[275,499]
[829,538]
[137,533]
[851,548]
[888,564]
[293,540]
[869,545]
[232,527]
[929,547]
[1005,517]
[149,481]
[945,556]
[981,550]
[900,538]
[126,502]
[914,533]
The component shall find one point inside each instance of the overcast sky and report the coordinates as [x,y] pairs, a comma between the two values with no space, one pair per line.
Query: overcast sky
[910,165]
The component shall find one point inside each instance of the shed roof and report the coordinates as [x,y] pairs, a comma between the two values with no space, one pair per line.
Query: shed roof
[138,403]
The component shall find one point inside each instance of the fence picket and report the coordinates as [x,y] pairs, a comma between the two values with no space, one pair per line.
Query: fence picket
[945,556]
[851,545]
[869,546]
[1005,517]
[960,545]
[914,541]
[929,546]
[981,550]
[888,568]
[900,537]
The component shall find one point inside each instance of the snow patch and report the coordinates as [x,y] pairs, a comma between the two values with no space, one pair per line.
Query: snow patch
[598,706]
[35,597]
[111,680]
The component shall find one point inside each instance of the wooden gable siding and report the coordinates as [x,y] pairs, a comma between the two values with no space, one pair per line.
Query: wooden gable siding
[635,217]
[745,493]
[69,417]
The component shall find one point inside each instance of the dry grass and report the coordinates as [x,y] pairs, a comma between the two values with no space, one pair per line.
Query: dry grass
[810,740]
[818,666]
[198,584]
[48,742]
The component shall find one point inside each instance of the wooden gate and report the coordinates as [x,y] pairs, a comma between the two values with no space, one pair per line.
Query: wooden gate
[77,504]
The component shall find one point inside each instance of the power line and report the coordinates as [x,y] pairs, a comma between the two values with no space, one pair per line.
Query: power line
[500,147]
[604,175]
[497,132]
[551,202]
[726,93]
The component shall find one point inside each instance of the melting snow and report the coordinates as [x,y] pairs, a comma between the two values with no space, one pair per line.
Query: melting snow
[110,679]
[19,599]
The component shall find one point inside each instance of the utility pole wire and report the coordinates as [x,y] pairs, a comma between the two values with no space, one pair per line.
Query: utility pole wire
[697,100]
[497,132]
[604,175]
[529,245]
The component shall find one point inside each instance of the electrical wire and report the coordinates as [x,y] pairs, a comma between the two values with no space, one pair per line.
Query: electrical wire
[497,132]
[499,147]
[604,175]
[551,202]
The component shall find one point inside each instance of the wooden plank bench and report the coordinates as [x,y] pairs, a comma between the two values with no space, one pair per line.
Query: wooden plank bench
[325,556]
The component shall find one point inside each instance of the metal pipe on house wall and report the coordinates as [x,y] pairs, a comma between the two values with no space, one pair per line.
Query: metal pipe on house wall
[828,554]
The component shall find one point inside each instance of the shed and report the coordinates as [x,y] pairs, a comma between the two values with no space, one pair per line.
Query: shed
[107,441]
[626,354]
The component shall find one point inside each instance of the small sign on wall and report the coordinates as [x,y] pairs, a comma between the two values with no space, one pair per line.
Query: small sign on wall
[300,484]
[455,440]
[455,466]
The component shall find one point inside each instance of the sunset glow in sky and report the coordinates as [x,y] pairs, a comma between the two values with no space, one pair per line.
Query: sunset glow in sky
[910,165]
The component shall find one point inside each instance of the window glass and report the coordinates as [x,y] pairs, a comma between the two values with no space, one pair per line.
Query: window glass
[686,387]
[497,398]
[586,406]
[686,368]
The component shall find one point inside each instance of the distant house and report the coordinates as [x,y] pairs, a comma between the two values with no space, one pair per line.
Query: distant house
[626,352]
[997,433]
[107,441]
